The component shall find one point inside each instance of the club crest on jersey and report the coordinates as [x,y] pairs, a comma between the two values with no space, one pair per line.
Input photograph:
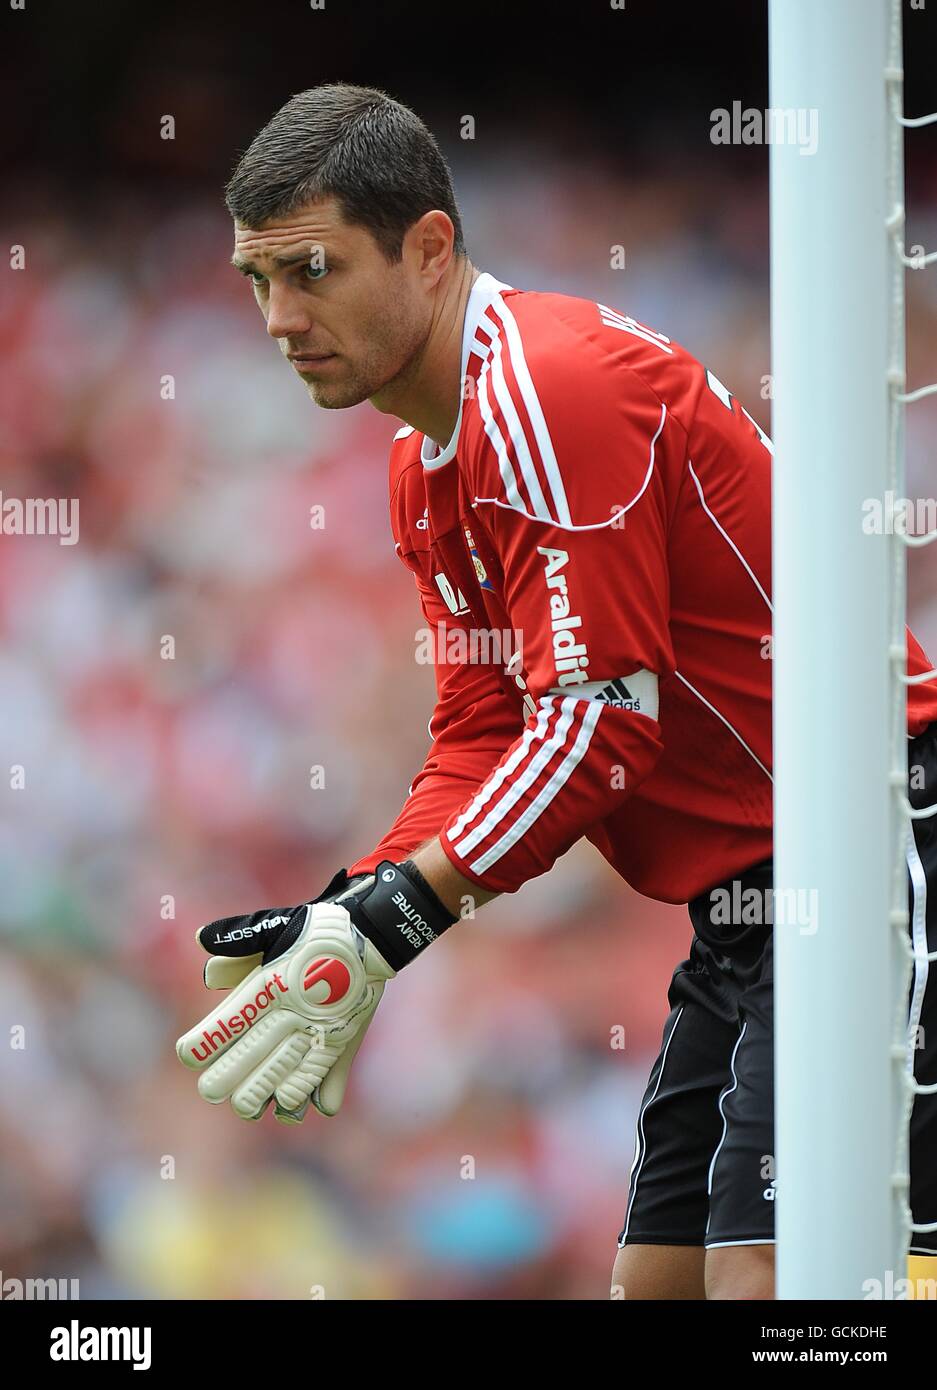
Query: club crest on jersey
[483,580]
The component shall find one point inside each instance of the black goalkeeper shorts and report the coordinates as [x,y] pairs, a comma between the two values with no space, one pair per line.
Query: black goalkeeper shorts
[703,1171]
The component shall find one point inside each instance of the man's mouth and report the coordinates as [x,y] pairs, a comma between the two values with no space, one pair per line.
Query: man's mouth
[307,362]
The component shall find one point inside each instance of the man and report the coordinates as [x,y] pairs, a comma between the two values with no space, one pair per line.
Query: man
[576,480]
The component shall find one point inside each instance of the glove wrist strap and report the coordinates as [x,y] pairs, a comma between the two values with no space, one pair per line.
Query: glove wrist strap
[400,913]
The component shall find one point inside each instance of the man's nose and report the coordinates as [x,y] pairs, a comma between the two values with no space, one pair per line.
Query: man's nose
[286,314]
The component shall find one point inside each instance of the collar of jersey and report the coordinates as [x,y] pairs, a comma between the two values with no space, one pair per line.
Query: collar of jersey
[484,291]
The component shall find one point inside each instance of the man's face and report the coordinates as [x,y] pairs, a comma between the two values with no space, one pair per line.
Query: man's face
[348,320]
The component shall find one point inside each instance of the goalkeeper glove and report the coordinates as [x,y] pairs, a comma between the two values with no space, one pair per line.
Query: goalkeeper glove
[300,1006]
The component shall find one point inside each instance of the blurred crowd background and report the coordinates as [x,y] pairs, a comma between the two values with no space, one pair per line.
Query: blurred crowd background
[169,784]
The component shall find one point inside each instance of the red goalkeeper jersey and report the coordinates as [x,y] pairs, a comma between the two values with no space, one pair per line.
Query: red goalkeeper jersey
[604,506]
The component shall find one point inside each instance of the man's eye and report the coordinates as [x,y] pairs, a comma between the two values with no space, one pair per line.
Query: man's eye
[315,272]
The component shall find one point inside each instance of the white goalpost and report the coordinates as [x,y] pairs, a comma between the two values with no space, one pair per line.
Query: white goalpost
[843,1085]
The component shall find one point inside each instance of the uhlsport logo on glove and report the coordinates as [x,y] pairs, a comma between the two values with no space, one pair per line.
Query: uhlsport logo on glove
[247,1016]
[327,980]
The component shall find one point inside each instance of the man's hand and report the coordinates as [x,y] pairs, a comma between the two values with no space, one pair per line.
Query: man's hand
[304,983]
[304,986]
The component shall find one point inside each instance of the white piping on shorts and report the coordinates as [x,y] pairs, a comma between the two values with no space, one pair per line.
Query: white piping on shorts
[640,1143]
[726,1092]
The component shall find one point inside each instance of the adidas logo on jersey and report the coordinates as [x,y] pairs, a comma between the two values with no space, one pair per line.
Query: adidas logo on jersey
[569,656]
[617,693]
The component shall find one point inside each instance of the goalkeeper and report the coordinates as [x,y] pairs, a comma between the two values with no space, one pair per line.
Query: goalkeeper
[576,480]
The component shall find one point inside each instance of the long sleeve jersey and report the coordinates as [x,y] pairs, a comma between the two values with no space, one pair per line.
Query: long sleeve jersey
[592,552]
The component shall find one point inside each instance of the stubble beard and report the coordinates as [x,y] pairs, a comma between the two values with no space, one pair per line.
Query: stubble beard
[382,373]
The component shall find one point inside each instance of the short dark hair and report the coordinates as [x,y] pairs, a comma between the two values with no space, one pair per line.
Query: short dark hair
[354,143]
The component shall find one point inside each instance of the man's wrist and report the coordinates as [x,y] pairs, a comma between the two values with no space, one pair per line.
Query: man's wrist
[453,889]
[416,877]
